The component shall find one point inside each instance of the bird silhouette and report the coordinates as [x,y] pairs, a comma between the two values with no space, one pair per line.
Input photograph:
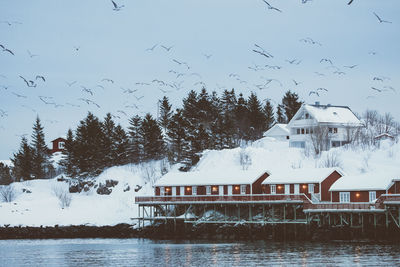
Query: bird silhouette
[313,92]
[326,60]
[381,20]
[87,90]
[107,80]
[30,54]
[152,48]
[71,83]
[351,66]
[296,83]
[167,48]
[349,3]
[40,77]
[18,95]
[271,7]
[116,7]
[29,83]
[207,56]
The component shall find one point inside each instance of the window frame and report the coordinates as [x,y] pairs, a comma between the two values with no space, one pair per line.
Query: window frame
[344,197]
[243,189]
[208,190]
[273,189]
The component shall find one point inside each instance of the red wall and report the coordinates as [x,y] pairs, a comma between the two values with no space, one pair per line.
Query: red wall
[363,195]
[326,184]
[55,145]
[395,188]
[256,186]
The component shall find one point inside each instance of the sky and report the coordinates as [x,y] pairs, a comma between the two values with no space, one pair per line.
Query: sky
[206,43]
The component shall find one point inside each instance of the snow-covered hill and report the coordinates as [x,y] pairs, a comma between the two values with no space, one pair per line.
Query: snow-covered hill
[42,207]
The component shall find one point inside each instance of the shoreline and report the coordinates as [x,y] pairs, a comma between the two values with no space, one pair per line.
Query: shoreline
[164,231]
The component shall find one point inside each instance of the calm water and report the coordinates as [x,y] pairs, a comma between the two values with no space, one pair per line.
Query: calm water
[142,252]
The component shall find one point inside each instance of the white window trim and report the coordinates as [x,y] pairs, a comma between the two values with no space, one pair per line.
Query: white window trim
[208,190]
[243,189]
[194,190]
[372,200]
[311,186]
[61,145]
[344,197]
[273,189]
[162,191]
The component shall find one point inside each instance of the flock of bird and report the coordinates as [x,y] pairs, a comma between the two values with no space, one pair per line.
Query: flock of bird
[184,75]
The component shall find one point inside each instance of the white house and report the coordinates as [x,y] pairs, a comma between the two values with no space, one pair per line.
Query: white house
[279,131]
[336,124]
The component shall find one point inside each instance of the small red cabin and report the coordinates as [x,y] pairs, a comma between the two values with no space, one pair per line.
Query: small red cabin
[314,183]
[57,145]
[365,187]
[204,183]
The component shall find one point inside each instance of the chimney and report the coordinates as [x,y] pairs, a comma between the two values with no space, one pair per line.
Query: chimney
[317,103]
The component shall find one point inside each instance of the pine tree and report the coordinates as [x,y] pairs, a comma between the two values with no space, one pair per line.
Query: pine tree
[68,160]
[241,118]
[269,115]
[5,174]
[22,162]
[177,136]
[256,117]
[280,117]
[290,104]
[135,142]
[107,145]
[40,159]
[165,113]
[152,140]
[120,146]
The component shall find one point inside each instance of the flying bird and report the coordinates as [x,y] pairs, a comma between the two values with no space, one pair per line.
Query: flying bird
[376,89]
[77,48]
[8,50]
[10,23]
[30,54]
[349,3]
[326,60]
[322,89]
[107,80]
[87,90]
[18,95]
[381,20]
[208,56]
[152,48]
[271,7]
[29,83]
[116,7]
[296,83]
[40,77]
[71,83]
[263,52]
[88,101]
[313,92]
[339,72]
[351,66]
[167,48]
[138,98]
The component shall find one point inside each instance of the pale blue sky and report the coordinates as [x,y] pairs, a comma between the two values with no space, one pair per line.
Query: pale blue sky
[113,45]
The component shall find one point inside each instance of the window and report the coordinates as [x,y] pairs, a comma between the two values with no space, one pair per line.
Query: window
[335,130]
[61,145]
[243,189]
[162,191]
[372,196]
[311,188]
[298,131]
[208,190]
[307,116]
[344,197]
[273,189]
[307,131]
[335,143]
[302,130]
[194,190]
[330,130]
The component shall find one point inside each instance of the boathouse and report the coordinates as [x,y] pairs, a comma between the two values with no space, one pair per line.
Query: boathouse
[207,183]
[364,187]
[312,182]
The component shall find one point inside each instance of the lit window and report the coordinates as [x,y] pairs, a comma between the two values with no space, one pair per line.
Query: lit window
[208,190]
[311,188]
[273,189]
[215,189]
[61,145]
[194,190]
[243,189]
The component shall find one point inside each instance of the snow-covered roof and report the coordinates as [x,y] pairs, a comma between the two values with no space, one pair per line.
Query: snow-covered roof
[384,135]
[330,114]
[297,176]
[365,182]
[277,129]
[209,178]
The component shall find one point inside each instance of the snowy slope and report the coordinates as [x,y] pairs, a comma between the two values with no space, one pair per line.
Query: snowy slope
[41,207]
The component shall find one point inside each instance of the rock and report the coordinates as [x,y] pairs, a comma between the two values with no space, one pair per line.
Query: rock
[103,190]
[24,190]
[138,187]
[111,183]
[127,188]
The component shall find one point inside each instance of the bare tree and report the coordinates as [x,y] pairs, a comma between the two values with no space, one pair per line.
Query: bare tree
[320,138]
[245,159]
[63,195]
[331,160]
[7,193]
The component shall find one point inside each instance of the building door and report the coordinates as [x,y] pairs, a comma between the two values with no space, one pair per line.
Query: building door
[297,189]
[229,190]
[287,189]
[174,190]
[372,196]
[221,190]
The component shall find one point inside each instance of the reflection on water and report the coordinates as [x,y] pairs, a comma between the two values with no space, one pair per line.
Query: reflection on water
[143,252]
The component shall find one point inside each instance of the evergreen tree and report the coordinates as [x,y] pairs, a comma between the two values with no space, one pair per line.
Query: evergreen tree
[280,117]
[165,113]
[5,174]
[290,104]
[256,117]
[107,145]
[68,160]
[177,136]
[135,142]
[89,137]
[190,109]
[241,118]
[120,146]
[269,115]
[152,140]
[22,162]
[41,157]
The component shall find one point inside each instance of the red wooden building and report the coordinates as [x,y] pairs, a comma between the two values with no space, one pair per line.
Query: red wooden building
[314,183]
[365,187]
[57,145]
[204,183]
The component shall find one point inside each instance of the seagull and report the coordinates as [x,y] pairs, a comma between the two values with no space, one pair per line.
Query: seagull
[319,74]
[142,83]
[390,87]
[349,3]
[271,7]
[208,56]
[100,86]
[132,106]
[72,105]
[167,48]
[18,95]
[87,90]
[128,91]
[77,48]
[293,61]
[376,89]
[122,112]
[273,67]
[296,83]
[313,92]
[116,7]
[263,52]
[29,83]
[326,60]
[5,87]
[339,72]
[71,83]
[138,98]
[351,67]
[381,20]
[9,23]
[88,101]
[40,77]
[107,80]
[310,41]
[8,50]
[44,100]
[322,89]
[372,53]
[152,48]
[30,54]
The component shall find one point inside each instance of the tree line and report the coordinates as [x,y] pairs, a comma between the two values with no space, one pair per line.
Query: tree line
[205,121]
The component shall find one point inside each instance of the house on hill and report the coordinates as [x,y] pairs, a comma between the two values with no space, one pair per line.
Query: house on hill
[207,183]
[57,145]
[279,131]
[325,126]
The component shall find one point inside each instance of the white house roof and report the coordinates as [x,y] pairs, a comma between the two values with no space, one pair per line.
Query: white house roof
[209,178]
[365,182]
[297,176]
[277,129]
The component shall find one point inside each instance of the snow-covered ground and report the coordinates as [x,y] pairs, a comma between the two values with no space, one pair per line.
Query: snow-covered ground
[41,206]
